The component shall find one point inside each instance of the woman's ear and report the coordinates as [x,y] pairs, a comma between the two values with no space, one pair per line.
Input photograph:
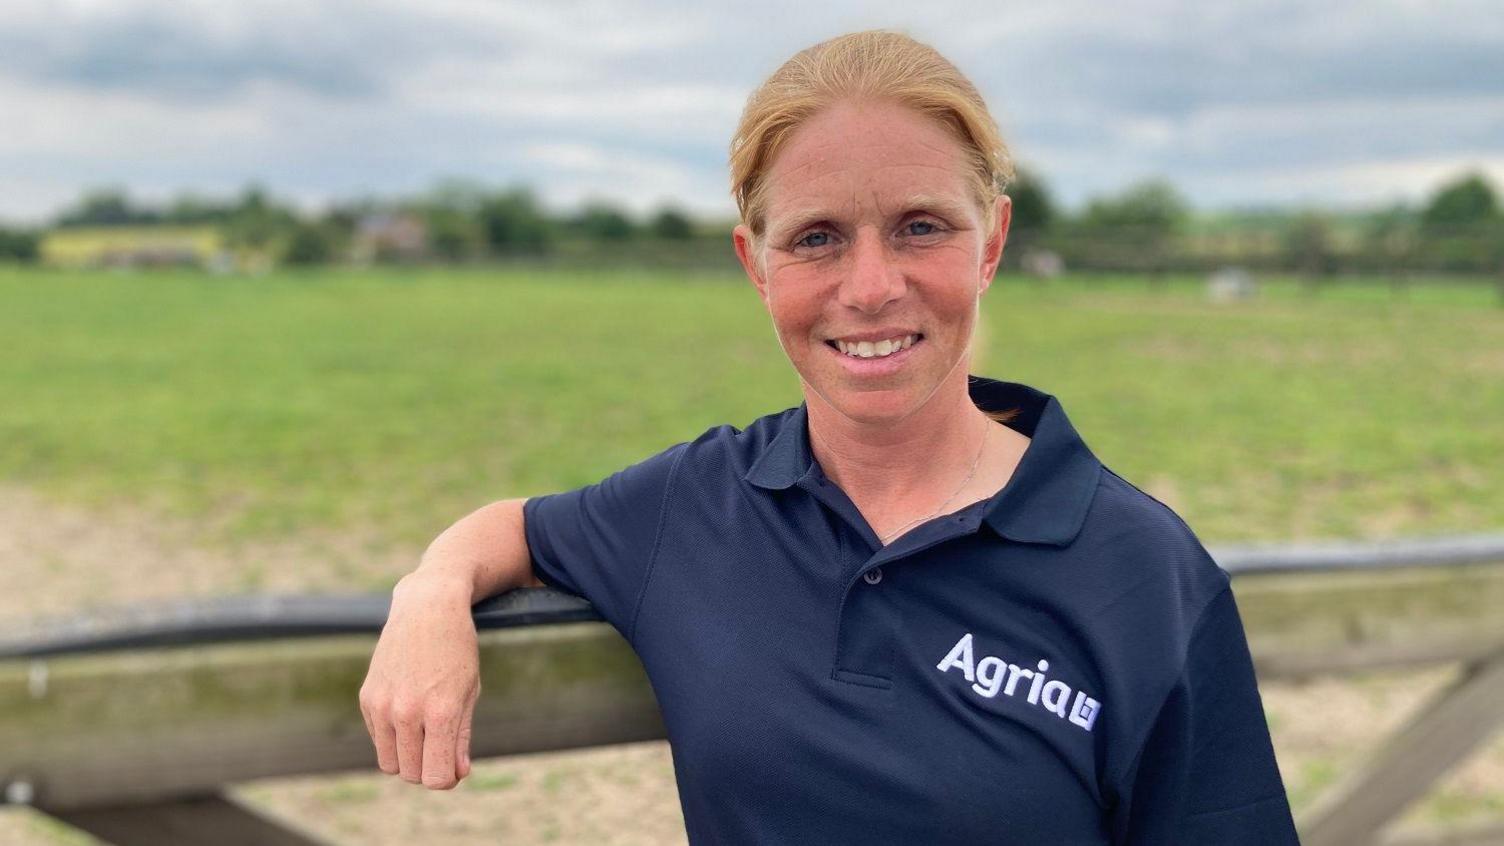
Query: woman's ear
[748,253]
[997,236]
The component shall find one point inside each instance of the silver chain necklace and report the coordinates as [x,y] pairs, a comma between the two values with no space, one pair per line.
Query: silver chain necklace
[972,472]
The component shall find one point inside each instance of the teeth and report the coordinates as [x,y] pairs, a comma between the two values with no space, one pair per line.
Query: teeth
[868,349]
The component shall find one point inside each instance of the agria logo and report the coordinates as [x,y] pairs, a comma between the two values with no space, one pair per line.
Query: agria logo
[992,675]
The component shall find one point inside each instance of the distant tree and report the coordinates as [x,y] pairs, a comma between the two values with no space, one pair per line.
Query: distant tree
[106,207]
[340,222]
[312,242]
[1461,226]
[1464,202]
[1033,210]
[453,234]
[512,223]
[255,222]
[672,224]
[1309,245]
[604,222]
[346,215]
[1388,239]
[191,209]
[1133,229]
[19,246]
[1152,206]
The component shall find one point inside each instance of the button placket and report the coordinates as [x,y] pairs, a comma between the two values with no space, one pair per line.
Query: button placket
[867,620]
[865,635]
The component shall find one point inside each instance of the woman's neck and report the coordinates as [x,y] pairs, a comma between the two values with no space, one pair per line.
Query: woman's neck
[910,463]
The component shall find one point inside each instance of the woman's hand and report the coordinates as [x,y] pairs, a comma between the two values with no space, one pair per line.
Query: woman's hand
[419,695]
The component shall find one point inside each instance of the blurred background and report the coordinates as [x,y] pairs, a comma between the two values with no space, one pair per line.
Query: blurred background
[288,287]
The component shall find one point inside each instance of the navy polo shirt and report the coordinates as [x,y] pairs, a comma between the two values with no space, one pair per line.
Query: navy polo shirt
[1062,663]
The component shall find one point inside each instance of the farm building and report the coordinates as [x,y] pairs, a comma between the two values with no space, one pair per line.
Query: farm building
[135,246]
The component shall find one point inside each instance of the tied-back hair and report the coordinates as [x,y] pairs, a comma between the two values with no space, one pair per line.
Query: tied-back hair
[875,65]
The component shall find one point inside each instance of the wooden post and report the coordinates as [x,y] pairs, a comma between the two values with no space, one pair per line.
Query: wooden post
[1451,725]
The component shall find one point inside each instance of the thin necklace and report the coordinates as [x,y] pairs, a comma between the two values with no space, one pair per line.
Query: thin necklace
[978,460]
[972,472]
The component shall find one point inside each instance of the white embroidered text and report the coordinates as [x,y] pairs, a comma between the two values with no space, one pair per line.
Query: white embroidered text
[993,675]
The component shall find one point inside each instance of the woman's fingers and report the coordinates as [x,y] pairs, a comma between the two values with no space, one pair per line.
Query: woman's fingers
[409,725]
[432,748]
[439,731]
[383,737]
[462,743]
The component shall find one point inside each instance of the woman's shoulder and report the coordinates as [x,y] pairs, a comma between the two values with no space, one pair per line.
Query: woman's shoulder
[1130,508]
[1147,550]
[729,447]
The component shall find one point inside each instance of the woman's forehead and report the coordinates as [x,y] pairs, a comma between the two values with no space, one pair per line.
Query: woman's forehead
[877,158]
[865,134]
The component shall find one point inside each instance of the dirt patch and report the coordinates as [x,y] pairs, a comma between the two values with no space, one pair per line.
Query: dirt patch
[614,796]
[66,560]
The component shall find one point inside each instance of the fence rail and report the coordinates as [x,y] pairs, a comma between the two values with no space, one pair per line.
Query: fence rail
[130,723]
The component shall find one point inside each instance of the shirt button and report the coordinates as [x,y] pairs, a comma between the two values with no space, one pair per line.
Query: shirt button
[873,576]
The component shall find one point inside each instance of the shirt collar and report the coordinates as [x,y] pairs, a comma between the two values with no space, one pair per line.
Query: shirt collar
[1045,501]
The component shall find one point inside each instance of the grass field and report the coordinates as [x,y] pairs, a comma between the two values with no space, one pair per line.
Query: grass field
[383,405]
[395,401]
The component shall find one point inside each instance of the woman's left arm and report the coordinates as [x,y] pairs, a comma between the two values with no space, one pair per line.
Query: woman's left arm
[1207,772]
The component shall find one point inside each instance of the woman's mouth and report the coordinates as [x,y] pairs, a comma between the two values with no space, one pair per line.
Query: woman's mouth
[869,358]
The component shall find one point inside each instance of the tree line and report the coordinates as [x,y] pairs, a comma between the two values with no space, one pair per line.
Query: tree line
[457,221]
[1147,227]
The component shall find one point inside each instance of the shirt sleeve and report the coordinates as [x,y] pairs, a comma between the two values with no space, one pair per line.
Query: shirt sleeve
[597,541]
[1207,771]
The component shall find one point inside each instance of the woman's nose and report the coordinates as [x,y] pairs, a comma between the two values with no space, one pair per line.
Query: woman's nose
[872,278]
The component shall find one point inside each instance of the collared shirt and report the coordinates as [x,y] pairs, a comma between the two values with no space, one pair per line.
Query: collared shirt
[1060,663]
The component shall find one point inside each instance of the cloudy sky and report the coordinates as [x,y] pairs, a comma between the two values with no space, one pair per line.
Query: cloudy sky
[1337,103]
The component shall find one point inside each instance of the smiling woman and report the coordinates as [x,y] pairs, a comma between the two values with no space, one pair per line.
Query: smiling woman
[915,608]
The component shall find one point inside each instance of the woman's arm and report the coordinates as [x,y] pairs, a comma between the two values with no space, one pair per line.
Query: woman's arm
[1207,771]
[419,695]
[486,549]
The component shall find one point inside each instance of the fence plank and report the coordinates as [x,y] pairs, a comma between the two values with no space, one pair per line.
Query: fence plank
[221,820]
[150,725]
[1304,624]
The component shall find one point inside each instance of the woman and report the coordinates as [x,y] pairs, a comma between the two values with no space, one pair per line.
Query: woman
[914,609]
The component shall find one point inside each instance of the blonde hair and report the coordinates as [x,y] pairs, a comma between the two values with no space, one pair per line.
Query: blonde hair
[874,64]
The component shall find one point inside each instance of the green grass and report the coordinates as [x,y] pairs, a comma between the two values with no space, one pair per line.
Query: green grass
[395,401]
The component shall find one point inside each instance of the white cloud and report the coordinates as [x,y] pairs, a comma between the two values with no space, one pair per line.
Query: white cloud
[1359,183]
[635,101]
[705,112]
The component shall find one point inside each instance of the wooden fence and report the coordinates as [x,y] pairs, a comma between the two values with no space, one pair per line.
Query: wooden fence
[130,724]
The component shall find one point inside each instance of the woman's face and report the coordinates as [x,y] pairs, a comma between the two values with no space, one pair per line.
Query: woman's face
[873,235]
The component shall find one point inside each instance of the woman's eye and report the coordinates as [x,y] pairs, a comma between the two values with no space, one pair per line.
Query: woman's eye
[814,239]
[921,227]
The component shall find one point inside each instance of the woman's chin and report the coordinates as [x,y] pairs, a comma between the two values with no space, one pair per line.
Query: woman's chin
[867,403]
